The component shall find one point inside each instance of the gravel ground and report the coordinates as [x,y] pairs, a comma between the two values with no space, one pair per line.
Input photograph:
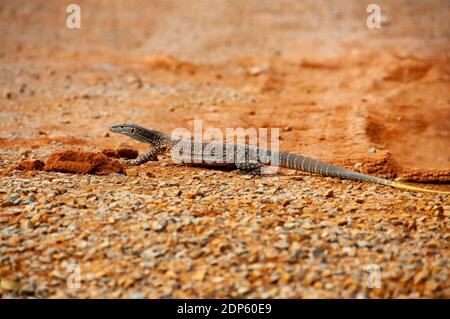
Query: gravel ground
[210,233]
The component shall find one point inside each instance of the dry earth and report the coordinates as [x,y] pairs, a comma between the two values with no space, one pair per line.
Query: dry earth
[375,100]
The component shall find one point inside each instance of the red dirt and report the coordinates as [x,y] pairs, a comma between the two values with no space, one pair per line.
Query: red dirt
[342,87]
[424,176]
[30,165]
[127,153]
[82,163]
[110,153]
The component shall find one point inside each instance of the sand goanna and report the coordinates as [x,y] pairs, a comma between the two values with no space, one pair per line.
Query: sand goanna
[245,158]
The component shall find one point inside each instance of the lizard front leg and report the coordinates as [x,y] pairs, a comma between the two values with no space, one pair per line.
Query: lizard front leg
[148,156]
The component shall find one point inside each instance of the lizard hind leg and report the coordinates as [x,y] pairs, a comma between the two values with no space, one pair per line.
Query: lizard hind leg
[250,167]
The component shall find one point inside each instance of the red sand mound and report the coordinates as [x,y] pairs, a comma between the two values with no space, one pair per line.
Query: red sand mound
[110,153]
[167,62]
[426,176]
[30,165]
[82,163]
[127,153]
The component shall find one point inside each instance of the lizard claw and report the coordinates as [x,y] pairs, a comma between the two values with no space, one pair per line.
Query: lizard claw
[128,162]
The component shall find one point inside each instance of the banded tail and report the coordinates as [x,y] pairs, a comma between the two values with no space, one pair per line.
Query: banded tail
[312,165]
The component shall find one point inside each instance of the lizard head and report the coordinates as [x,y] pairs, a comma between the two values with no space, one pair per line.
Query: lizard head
[126,129]
[135,131]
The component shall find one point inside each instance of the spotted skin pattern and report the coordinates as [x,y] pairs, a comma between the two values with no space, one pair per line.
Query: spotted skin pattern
[245,158]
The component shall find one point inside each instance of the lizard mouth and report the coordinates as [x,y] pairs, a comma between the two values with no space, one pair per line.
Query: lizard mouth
[116,128]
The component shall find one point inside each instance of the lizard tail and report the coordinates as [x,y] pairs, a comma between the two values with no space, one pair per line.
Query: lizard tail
[417,189]
[311,165]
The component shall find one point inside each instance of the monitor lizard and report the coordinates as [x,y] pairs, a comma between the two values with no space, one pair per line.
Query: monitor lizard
[244,157]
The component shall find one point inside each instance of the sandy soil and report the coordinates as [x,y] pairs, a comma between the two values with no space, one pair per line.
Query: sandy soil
[376,100]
